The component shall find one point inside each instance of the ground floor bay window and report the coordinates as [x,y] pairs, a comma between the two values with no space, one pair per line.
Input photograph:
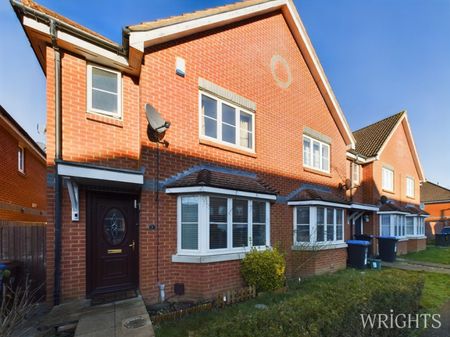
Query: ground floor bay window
[210,225]
[401,225]
[319,225]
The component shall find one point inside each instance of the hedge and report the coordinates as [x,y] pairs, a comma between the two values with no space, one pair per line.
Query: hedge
[329,309]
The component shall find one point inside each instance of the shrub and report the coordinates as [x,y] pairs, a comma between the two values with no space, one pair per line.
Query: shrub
[264,269]
[328,306]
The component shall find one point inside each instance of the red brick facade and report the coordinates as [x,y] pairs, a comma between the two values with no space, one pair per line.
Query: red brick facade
[22,195]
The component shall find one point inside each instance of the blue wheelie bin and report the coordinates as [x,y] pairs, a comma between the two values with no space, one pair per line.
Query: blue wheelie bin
[358,251]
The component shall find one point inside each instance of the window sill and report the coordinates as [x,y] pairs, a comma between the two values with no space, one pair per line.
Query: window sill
[227,148]
[93,116]
[312,170]
[387,191]
[417,237]
[317,247]
[402,239]
[208,258]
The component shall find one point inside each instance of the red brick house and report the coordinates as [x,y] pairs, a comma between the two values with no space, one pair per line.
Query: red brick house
[386,174]
[255,154]
[436,201]
[22,174]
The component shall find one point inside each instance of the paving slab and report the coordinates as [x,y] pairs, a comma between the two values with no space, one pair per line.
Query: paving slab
[402,264]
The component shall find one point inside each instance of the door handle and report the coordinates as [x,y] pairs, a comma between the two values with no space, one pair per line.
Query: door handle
[132,245]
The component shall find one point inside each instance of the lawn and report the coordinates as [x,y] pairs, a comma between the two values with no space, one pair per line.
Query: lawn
[435,293]
[431,254]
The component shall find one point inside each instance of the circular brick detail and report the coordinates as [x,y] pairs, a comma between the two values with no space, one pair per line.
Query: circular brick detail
[279,66]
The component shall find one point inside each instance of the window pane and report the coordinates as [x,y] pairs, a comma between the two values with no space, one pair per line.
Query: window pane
[104,80]
[104,101]
[229,133]
[246,131]
[209,107]
[228,114]
[306,151]
[303,215]
[189,223]
[316,155]
[325,157]
[339,232]
[409,225]
[385,225]
[330,224]
[320,224]
[339,216]
[259,235]
[259,212]
[240,223]
[217,223]
[210,127]
[303,234]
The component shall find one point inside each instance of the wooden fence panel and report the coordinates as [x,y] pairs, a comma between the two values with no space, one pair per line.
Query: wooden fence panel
[25,242]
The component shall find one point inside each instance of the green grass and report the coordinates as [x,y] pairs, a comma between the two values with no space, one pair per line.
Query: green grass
[431,254]
[436,293]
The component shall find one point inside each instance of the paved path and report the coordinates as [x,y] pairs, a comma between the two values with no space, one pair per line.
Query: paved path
[418,266]
[444,330]
[118,319]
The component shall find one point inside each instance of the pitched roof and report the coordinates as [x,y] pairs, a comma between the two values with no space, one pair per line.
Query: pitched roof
[430,192]
[317,195]
[391,207]
[35,6]
[229,181]
[149,25]
[21,131]
[414,210]
[370,139]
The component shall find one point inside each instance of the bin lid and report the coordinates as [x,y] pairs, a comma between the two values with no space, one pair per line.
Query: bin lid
[358,242]
[3,266]
[388,237]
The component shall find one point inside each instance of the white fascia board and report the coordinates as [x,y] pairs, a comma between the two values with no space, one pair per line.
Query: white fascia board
[317,203]
[393,212]
[100,174]
[143,39]
[77,42]
[360,160]
[365,207]
[215,190]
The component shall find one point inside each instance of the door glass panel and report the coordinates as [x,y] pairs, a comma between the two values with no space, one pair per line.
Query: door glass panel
[114,226]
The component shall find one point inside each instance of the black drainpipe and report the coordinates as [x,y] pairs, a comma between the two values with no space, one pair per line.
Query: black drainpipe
[58,156]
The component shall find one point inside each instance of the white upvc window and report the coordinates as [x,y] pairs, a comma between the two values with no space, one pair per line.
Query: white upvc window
[387,179]
[226,123]
[318,225]
[411,225]
[356,174]
[393,225]
[316,154]
[104,91]
[410,187]
[21,159]
[420,225]
[210,224]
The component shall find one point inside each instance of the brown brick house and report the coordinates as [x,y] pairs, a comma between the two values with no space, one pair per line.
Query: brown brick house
[22,174]
[436,201]
[255,154]
[386,173]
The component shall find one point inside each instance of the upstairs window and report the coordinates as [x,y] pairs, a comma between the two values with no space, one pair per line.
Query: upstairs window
[410,187]
[356,174]
[316,154]
[226,123]
[104,91]
[387,179]
[21,159]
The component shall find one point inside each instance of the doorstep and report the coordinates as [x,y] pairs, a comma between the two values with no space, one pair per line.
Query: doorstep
[118,319]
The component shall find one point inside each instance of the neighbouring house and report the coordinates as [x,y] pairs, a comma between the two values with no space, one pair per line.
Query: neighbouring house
[436,201]
[385,176]
[23,202]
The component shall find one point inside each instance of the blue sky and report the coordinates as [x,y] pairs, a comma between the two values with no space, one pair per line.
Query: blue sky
[380,56]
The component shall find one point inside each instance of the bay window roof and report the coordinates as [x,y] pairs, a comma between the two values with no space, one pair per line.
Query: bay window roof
[317,196]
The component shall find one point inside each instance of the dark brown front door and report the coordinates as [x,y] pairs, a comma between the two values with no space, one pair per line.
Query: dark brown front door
[112,239]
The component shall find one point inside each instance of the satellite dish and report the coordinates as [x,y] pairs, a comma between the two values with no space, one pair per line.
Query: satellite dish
[157,126]
[383,199]
[157,123]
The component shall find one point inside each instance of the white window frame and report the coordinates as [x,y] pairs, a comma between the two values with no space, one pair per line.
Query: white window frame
[313,226]
[410,186]
[397,224]
[21,159]
[384,182]
[90,109]
[238,109]
[311,154]
[204,227]
[356,174]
